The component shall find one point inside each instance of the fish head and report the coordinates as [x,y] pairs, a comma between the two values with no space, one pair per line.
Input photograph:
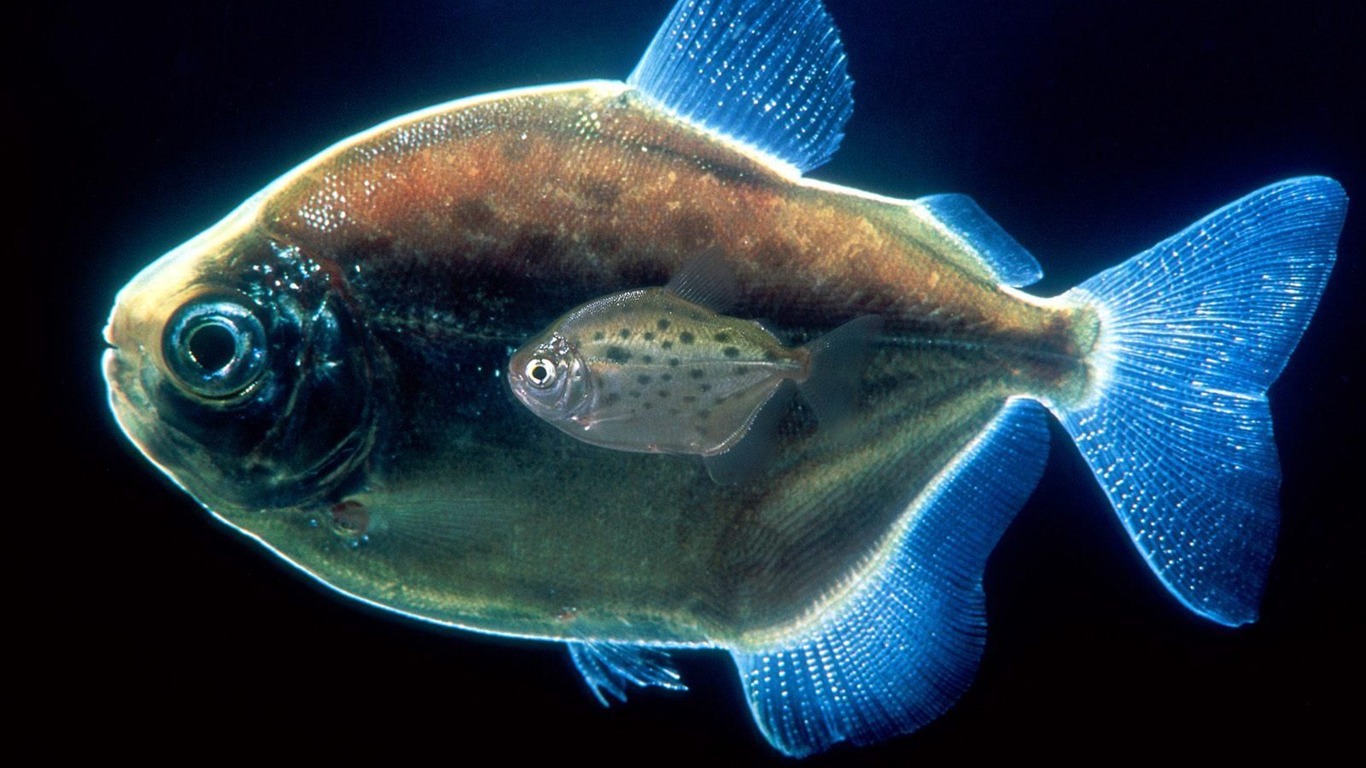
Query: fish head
[235,365]
[551,378]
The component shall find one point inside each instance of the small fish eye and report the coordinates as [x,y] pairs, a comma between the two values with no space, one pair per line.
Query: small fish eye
[215,347]
[541,373]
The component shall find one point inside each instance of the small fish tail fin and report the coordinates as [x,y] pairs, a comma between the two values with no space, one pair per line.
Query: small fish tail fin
[1175,424]
[838,361]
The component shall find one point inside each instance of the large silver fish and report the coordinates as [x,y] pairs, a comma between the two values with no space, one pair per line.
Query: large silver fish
[322,370]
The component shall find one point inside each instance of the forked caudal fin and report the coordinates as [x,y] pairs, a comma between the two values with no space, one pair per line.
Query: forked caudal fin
[1177,428]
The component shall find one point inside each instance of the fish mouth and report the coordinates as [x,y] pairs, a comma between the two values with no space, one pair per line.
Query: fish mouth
[126,392]
[107,333]
[134,413]
[124,402]
[119,366]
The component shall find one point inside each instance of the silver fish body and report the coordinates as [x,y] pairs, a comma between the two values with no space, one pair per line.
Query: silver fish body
[323,371]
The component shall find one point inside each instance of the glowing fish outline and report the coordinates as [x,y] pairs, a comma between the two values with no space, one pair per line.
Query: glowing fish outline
[1301,190]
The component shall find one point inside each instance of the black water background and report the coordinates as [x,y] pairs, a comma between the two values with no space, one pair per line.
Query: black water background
[1089,130]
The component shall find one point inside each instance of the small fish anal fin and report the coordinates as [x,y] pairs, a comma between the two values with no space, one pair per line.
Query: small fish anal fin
[1177,429]
[1005,258]
[706,280]
[768,75]
[754,451]
[610,669]
[903,648]
[838,362]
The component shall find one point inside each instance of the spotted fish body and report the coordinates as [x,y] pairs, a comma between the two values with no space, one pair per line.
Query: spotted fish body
[661,370]
[360,427]
[669,376]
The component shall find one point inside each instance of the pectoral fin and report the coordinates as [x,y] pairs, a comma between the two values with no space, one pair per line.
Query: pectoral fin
[610,668]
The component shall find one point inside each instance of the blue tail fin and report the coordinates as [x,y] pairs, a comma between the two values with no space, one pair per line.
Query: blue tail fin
[1177,428]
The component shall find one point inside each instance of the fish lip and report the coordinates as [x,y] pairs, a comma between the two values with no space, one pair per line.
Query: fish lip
[108,331]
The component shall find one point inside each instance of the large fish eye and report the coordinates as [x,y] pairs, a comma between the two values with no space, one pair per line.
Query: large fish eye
[541,373]
[215,347]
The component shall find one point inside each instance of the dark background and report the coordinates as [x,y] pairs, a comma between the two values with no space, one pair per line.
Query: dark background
[1089,130]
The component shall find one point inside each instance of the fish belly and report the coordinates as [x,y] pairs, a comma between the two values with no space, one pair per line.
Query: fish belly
[461,232]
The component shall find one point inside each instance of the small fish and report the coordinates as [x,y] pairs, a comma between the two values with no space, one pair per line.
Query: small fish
[661,370]
[323,370]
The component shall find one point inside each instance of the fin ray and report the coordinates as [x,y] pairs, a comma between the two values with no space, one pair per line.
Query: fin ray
[838,362]
[906,645]
[707,281]
[1005,258]
[1178,431]
[610,669]
[769,75]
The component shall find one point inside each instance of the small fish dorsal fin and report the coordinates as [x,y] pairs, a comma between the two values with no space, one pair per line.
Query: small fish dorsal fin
[769,75]
[707,281]
[1002,255]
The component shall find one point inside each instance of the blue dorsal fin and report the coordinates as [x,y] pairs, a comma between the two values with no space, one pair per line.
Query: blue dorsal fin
[769,75]
[707,281]
[610,668]
[1007,259]
[905,645]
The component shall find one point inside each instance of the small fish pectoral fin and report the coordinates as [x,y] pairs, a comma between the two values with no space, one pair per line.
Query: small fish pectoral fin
[753,451]
[1004,258]
[610,668]
[708,281]
[905,646]
[768,75]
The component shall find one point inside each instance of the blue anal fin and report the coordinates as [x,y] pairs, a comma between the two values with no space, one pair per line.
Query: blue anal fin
[902,649]
[768,75]
[610,669]
[999,252]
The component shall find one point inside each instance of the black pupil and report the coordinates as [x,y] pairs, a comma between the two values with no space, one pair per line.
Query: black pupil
[539,373]
[212,346]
